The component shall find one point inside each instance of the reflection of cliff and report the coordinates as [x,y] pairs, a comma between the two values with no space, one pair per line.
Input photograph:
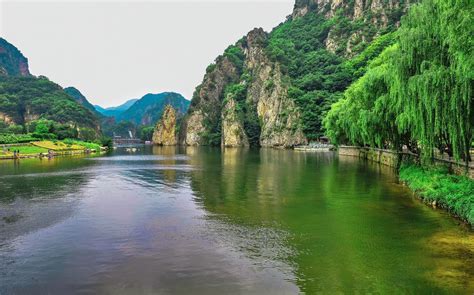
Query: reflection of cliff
[251,185]
[169,159]
[349,222]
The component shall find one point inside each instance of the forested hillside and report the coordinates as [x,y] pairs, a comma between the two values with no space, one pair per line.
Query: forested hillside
[12,61]
[81,99]
[27,102]
[273,89]
[418,92]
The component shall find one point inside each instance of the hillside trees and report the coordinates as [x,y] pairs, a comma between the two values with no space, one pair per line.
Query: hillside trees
[418,92]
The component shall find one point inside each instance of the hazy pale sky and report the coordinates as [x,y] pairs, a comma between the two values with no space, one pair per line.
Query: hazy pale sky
[116,50]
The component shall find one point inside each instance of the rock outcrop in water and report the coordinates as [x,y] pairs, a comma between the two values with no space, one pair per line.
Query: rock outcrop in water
[165,130]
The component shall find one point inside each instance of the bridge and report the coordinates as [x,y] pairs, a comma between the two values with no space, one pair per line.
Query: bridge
[122,141]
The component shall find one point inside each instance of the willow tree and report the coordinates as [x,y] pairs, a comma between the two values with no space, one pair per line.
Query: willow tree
[433,80]
[367,113]
[418,92]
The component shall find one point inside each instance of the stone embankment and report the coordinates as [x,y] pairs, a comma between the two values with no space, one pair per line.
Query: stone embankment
[393,158]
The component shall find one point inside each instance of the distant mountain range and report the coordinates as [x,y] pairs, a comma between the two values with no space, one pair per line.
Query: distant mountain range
[25,98]
[146,110]
[115,111]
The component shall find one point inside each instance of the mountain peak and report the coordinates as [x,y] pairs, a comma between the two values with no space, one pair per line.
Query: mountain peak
[12,61]
[81,99]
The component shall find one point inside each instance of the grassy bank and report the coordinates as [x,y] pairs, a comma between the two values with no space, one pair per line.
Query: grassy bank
[66,145]
[36,148]
[435,184]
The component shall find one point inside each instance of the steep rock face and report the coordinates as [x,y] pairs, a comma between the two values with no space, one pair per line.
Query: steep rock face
[165,130]
[379,9]
[12,61]
[266,95]
[277,113]
[233,132]
[369,17]
[205,106]
[274,89]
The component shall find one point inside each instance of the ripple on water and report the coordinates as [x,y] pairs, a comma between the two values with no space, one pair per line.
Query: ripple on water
[136,158]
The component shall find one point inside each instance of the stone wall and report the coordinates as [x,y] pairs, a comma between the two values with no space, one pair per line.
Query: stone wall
[392,159]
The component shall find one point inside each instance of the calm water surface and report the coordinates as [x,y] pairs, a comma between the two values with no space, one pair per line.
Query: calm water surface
[206,221]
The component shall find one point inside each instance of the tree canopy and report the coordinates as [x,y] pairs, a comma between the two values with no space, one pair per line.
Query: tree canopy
[418,92]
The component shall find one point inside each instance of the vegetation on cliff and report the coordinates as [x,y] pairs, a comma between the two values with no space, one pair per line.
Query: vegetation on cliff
[419,92]
[311,58]
[12,62]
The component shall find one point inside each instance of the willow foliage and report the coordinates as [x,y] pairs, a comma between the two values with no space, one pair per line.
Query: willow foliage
[366,115]
[434,75]
[418,92]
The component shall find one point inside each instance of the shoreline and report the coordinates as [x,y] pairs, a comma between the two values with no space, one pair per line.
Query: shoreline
[55,154]
[48,149]
[391,159]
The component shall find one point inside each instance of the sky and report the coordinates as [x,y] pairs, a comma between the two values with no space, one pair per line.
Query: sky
[113,51]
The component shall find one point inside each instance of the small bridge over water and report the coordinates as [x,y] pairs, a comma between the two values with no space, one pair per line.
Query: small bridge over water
[122,141]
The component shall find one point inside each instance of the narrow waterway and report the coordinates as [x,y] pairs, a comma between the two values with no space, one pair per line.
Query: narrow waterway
[233,221]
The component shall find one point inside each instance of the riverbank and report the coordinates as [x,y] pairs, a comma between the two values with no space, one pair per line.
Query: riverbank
[47,148]
[446,184]
[440,189]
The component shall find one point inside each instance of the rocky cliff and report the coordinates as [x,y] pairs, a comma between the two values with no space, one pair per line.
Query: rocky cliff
[273,89]
[12,61]
[367,19]
[243,84]
[165,130]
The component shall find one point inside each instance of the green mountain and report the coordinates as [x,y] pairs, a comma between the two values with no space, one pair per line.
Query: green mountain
[148,109]
[25,99]
[12,61]
[81,99]
[274,89]
[115,111]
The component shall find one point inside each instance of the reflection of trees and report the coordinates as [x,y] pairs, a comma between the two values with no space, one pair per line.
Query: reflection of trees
[339,213]
[43,178]
[47,183]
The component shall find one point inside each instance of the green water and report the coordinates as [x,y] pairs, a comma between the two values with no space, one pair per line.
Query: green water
[233,221]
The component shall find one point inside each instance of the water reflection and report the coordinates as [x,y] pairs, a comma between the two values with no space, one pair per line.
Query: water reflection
[233,221]
[350,225]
